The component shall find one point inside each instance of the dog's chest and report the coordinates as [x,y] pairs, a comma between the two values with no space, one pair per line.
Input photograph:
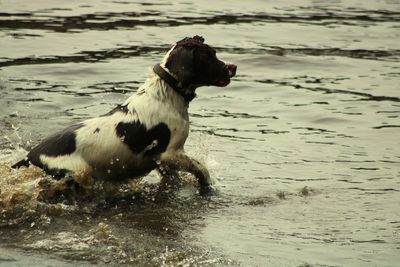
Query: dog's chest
[168,111]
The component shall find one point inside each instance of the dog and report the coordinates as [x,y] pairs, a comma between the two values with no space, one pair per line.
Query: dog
[148,131]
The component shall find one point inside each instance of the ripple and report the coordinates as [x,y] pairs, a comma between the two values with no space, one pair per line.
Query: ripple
[386,126]
[129,19]
[365,96]
[86,56]
[137,50]
[388,55]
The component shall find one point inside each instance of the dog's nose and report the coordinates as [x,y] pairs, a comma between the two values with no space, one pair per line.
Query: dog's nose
[232,69]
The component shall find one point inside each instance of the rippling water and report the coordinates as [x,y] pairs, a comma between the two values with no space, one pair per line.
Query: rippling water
[303,145]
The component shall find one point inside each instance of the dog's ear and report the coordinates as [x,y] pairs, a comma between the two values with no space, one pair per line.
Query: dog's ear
[198,38]
[192,41]
[181,63]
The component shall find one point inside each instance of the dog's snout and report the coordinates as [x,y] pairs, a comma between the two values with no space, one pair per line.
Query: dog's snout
[232,69]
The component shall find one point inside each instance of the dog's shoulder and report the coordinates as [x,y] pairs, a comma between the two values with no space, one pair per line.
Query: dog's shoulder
[139,138]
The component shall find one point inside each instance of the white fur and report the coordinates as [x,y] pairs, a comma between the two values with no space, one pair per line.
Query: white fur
[104,153]
[98,147]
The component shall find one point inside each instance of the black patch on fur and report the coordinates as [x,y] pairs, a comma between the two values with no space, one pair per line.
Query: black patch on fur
[55,173]
[97,130]
[62,143]
[139,139]
[119,108]
[180,63]
[21,163]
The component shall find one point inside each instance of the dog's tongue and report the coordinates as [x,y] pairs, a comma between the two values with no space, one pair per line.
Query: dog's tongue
[222,82]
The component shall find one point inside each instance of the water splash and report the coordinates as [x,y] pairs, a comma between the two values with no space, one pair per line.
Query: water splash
[27,193]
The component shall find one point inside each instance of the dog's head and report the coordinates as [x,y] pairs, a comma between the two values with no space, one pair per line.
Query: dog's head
[195,64]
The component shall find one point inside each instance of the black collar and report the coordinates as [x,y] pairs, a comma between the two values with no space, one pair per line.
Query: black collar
[174,83]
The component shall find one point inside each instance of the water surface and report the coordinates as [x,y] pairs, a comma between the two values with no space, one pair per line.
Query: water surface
[303,145]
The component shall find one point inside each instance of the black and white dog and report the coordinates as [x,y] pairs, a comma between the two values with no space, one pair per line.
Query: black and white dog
[146,132]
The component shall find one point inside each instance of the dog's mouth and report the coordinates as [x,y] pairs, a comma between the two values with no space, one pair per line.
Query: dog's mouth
[222,83]
[230,71]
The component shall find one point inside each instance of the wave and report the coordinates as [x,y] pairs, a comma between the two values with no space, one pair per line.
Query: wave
[113,20]
[137,50]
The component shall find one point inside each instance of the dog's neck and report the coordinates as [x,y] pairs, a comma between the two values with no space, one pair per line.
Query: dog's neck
[172,82]
[156,89]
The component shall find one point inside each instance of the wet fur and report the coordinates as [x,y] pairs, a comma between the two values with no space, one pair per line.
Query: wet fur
[146,132]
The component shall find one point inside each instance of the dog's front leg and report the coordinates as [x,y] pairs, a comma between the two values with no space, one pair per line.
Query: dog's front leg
[169,179]
[179,161]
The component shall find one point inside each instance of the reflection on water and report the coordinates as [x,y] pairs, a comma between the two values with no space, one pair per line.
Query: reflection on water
[302,145]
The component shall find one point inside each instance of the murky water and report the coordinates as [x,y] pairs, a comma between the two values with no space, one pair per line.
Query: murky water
[303,145]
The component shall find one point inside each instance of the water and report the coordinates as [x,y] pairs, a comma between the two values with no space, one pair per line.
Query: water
[303,145]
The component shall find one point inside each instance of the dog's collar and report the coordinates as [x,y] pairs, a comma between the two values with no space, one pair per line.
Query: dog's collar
[174,83]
